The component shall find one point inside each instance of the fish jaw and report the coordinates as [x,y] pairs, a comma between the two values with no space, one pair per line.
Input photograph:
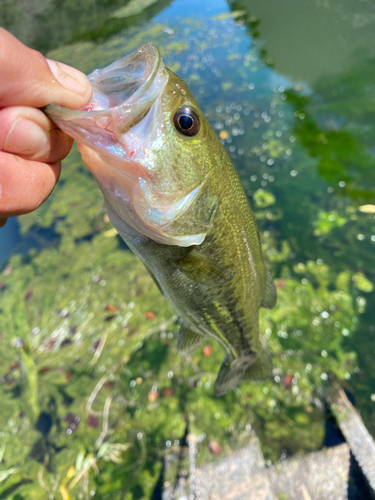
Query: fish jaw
[121,137]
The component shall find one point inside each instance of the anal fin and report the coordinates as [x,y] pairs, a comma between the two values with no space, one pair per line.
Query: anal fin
[257,367]
[188,340]
[270,294]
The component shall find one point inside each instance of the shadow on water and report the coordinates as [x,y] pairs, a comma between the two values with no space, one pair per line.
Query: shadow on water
[308,40]
[11,241]
[46,24]
[333,94]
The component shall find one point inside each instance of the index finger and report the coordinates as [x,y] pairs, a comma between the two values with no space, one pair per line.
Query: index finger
[28,79]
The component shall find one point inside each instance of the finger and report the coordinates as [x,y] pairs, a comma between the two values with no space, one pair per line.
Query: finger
[24,185]
[28,79]
[27,132]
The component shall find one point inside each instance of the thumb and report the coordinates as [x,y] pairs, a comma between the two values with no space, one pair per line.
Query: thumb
[29,79]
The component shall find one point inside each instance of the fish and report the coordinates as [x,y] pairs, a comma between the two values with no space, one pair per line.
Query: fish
[175,198]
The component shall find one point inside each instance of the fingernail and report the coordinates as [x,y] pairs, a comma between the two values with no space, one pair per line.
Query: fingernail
[26,138]
[2,222]
[69,77]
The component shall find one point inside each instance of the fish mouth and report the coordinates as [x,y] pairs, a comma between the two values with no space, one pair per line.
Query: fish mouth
[113,133]
[123,94]
[127,80]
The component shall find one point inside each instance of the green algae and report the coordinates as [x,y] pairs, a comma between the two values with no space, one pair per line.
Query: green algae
[175,47]
[226,86]
[263,198]
[133,8]
[58,306]
[327,221]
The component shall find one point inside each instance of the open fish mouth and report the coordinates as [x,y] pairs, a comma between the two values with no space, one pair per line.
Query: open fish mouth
[119,134]
[126,80]
[123,94]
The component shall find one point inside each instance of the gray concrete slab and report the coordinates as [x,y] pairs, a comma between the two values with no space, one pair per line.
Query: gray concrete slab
[242,475]
[321,475]
[239,476]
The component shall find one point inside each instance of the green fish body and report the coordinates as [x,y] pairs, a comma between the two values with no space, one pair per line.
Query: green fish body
[175,198]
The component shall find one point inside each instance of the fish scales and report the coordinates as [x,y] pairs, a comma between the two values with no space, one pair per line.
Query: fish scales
[176,199]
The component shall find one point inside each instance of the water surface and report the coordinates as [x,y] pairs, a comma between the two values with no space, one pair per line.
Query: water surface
[93,392]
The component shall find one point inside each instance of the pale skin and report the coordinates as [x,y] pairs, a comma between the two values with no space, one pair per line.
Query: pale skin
[31,146]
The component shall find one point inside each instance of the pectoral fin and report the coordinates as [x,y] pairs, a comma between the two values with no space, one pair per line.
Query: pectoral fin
[238,370]
[202,268]
[181,219]
[159,211]
[188,340]
[270,294]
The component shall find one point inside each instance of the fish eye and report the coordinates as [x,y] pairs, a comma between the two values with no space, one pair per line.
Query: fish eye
[187,121]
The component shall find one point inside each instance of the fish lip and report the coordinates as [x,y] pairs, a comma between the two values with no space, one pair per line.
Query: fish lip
[152,51]
[132,109]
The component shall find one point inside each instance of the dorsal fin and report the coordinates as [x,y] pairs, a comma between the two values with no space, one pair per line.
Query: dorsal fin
[270,294]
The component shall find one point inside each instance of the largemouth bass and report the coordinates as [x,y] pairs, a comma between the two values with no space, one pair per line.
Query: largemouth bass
[174,196]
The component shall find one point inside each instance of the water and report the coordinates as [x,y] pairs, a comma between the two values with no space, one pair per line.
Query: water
[93,391]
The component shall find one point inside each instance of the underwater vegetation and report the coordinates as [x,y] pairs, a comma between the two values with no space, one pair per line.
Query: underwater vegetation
[90,369]
[92,388]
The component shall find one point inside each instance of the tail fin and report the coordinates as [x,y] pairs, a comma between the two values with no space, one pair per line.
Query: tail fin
[231,373]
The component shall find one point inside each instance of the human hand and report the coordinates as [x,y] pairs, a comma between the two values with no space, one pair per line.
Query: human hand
[31,146]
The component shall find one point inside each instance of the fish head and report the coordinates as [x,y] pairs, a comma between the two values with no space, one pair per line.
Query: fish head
[149,147]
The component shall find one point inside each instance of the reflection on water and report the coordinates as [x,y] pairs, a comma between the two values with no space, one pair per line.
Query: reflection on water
[92,388]
[311,39]
[45,24]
